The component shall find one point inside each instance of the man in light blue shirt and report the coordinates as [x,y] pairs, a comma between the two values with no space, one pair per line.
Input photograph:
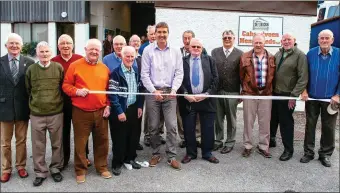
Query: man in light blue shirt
[162,72]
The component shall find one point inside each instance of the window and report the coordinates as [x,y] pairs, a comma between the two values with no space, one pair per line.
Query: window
[333,11]
[29,32]
[321,14]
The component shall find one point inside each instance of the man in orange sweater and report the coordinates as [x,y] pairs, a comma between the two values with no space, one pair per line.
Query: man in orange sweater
[90,111]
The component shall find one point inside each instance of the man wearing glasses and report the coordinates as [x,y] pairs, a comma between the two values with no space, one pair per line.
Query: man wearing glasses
[65,58]
[227,60]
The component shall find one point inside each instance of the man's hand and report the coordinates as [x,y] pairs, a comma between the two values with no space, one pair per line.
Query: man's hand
[191,99]
[291,104]
[140,113]
[335,99]
[158,95]
[106,112]
[122,117]
[82,92]
[172,94]
[304,95]
[200,97]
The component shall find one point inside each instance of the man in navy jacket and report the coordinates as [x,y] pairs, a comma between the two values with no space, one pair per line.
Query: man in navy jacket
[125,111]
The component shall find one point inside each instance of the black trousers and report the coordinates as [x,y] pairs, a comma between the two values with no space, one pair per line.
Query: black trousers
[67,110]
[207,120]
[124,136]
[282,115]
[328,124]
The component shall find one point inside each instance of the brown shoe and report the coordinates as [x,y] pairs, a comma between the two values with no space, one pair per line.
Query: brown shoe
[23,173]
[174,164]
[264,153]
[246,152]
[154,160]
[80,179]
[106,175]
[5,177]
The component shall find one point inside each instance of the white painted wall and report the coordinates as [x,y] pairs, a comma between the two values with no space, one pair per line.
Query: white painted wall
[52,37]
[6,29]
[208,25]
[82,34]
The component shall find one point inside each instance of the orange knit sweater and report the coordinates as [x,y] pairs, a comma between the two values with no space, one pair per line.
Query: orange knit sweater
[80,75]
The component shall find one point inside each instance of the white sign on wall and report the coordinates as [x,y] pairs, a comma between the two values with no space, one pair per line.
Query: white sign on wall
[271,27]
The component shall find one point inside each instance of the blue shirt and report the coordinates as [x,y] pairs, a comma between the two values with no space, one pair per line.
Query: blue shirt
[132,84]
[161,68]
[199,88]
[141,49]
[112,61]
[324,73]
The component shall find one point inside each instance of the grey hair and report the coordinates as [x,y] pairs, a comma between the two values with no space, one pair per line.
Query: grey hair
[150,27]
[189,31]
[259,34]
[117,37]
[326,31]
[128,49]
[42,44]
[15,36]
[196,39]
[65,36]
[228,32]
[94,41]
[134,35]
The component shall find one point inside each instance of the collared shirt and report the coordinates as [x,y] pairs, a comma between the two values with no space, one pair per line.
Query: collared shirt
[185,52]
[46,66]
[91,63]
[261,67]
[162,68]
[329,54]
[132,83]
[17,60]
[199,88]
[229,50]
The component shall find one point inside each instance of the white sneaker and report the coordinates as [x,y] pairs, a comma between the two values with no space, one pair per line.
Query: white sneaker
[144,164]
[128,166]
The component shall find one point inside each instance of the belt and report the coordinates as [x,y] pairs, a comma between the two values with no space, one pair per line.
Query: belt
[164,89]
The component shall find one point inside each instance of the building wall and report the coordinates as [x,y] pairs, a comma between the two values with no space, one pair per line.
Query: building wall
[5,28]
[208,25]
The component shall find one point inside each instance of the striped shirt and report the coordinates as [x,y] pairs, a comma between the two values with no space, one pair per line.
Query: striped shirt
[324,73]
[261,67]
[132,84]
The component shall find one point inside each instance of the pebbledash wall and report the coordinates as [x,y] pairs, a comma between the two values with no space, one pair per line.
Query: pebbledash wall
[208,26]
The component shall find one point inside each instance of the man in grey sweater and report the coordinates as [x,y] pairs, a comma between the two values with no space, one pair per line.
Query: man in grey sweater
[227,60]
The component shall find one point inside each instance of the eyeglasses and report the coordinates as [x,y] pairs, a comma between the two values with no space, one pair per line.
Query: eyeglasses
[229,38]
[196,47]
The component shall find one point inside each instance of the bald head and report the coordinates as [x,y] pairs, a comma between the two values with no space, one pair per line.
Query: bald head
[288,41]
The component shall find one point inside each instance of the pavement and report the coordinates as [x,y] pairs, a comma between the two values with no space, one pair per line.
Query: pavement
[233,174]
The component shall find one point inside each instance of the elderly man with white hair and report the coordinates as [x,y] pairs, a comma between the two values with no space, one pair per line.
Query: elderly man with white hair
[43,84]
[151,33]
[291,77]
[200,79]
[65,58]
[14,110]
[324,78]
[126,110]
[90,111]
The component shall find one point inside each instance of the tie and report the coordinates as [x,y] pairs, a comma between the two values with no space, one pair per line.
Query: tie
[195,73]
[227,53]
[14,69]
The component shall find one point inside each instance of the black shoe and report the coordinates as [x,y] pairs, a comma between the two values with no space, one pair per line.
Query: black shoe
[182,144]
[139,147]
[306,159]
[217,146]
[38,181]
[272,143]
[325,161]
[212,159]
[226,149]
[162,140]
[147,142]
[57,177]
[187,159]
[135,165]
[286,155]
[117,171]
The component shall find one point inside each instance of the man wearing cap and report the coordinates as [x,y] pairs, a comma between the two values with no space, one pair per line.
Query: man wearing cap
[324,78]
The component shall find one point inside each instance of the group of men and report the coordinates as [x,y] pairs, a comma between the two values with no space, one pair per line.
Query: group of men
[53,91]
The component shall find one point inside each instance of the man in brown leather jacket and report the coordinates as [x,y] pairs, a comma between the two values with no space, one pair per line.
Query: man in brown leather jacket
[257,68]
